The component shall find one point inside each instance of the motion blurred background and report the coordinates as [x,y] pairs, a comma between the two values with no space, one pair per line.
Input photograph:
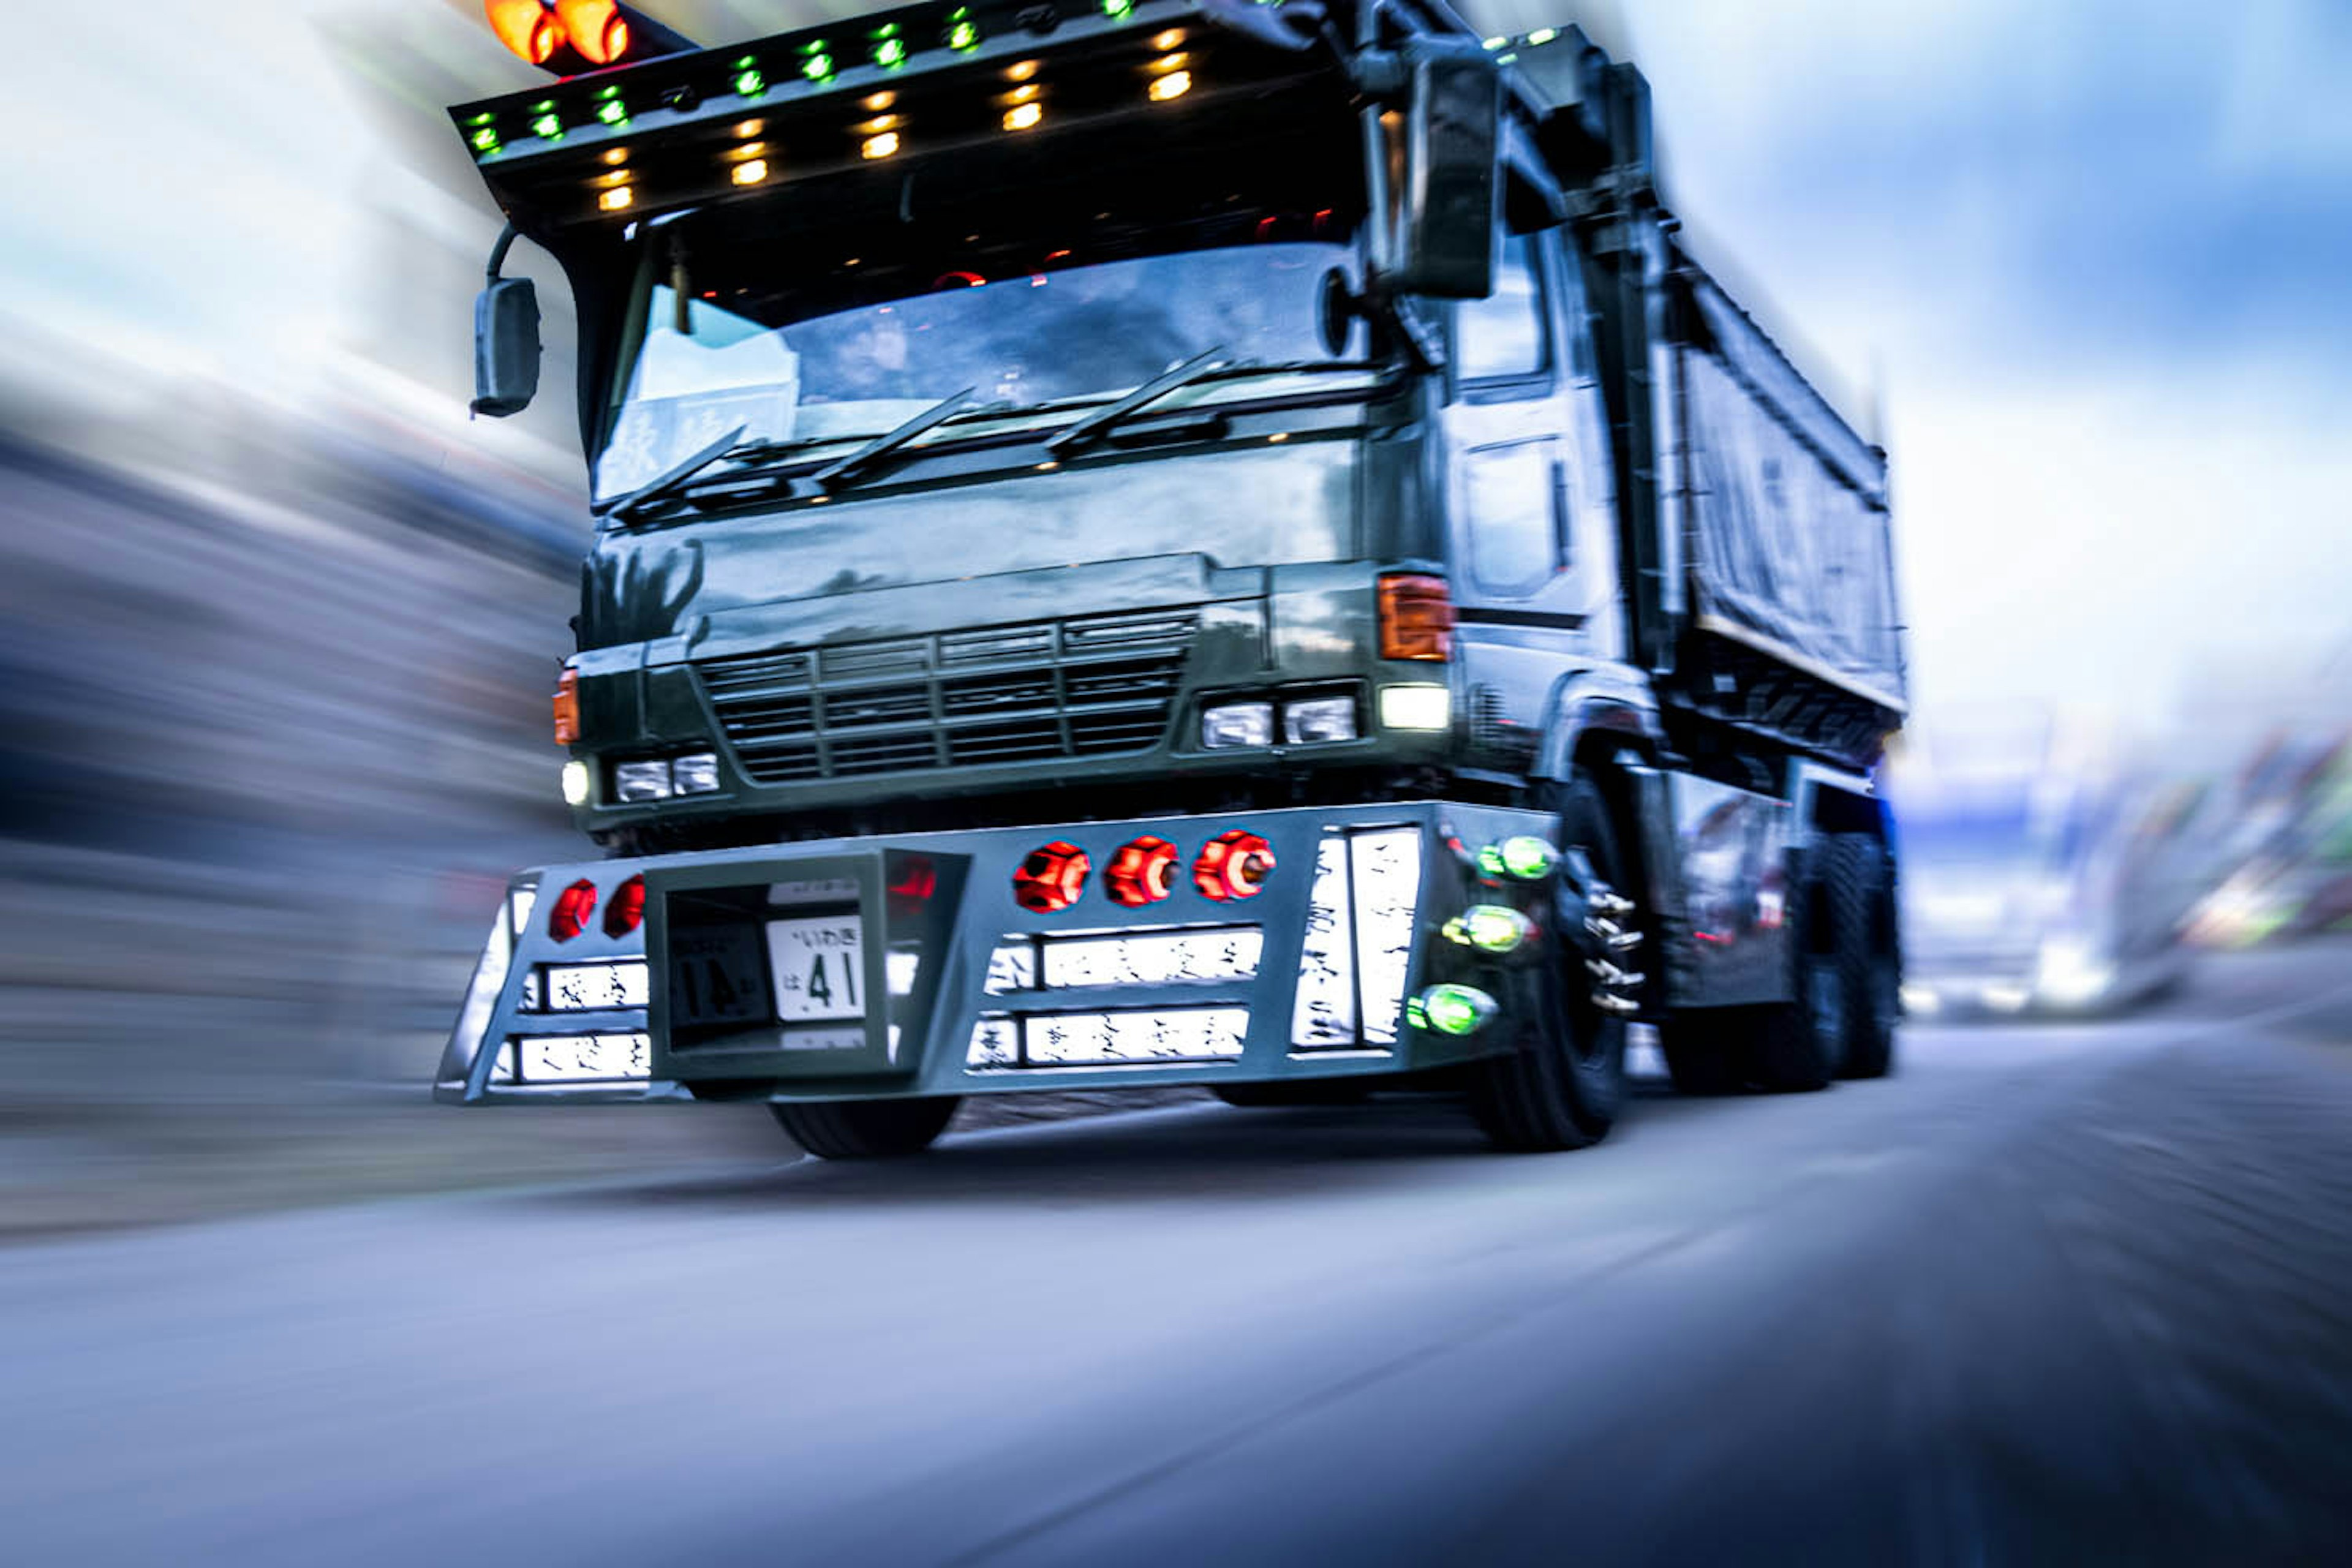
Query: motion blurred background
[281,622]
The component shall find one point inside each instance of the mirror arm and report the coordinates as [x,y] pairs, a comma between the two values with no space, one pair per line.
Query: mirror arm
[498,253]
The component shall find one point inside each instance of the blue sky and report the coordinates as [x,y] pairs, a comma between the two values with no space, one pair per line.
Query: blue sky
[2093,257]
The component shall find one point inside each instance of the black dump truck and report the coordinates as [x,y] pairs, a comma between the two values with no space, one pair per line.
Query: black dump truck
[1174,542]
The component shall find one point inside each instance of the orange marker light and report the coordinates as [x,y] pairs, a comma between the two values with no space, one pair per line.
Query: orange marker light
[567,707]
[596,27]
[526,26]
[1416,616]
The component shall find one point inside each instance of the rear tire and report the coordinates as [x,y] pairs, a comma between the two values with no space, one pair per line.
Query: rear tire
[1561,1083]
[866,1129]
[1862,899]
[1798,1046]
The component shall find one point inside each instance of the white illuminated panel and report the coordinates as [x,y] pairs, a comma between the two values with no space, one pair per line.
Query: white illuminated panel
[1323,1009]
[582,987]
[1121,958]
[1071,1039]
[1012,967]
[995,1042]
[583,1058]
[1109,1039]
[1387,876]
[1160,959]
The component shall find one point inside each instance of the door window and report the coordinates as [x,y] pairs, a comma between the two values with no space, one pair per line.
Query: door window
[1501,337]
[1515,540]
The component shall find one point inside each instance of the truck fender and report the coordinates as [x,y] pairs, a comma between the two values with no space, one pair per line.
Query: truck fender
[1609,700]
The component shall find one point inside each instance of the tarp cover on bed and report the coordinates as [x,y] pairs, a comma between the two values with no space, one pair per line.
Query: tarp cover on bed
[1788,521]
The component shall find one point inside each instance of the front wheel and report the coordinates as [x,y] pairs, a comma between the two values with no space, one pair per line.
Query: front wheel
[866,1129]
[1561,1084]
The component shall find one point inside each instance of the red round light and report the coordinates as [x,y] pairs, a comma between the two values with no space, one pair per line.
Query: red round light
[626,910]
[569,917]
[1141,872]
[1051,879]
[1234,864]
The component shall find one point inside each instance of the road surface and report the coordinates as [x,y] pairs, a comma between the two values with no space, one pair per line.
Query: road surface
[2055,1294]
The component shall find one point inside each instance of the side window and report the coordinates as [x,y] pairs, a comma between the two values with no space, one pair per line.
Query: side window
[1501,336]
[1517,542]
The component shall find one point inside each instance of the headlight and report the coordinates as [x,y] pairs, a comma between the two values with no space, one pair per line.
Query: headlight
[642,780]
[1319,719]
[1237,724]
[695,774]
[2071,973]
[575,782]
[1415,707]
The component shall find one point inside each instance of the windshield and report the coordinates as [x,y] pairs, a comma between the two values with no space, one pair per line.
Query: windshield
[1067,334]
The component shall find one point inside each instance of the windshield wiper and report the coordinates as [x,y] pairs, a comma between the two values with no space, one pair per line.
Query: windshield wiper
[834,475]
[1099,422]
[671,478]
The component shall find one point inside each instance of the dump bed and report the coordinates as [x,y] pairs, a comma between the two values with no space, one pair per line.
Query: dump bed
[1783,508]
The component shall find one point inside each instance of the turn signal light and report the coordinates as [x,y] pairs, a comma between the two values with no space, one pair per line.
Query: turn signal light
[527,27]
[568,916]
[626,911]
[1142,872]
[567,707]
[1051,879]
[1416,616]
[1234,864]
[594,28]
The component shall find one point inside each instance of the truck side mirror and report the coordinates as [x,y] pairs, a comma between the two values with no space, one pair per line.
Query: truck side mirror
[1446,211]
[506,347]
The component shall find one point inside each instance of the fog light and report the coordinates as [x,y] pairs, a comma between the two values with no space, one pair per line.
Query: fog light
[1051,879]
[1319,719]
[1449,1009]
[1141,872]
[1523,857]
[1234,864]
[695,774]
[1237,724]
[1490,927]
[575,782]
[642,780]
[1415,707]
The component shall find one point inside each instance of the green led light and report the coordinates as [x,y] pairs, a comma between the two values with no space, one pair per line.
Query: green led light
[890,53]
[1115,9]
[1524,857]
[485,140]
[544,106]
[612,111]
[548,127]
[610,89]
[751,83]
[1490,927]
[746,62]
[963,32]
[1541,36]
[1450,1009]
[1491,45]
[818,68]
[482,119]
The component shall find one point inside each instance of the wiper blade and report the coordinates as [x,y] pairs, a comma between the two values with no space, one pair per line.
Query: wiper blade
[1150,392]
[671,478]
[834,475]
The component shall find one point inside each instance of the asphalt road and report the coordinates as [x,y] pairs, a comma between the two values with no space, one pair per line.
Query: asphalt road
[2054,1294]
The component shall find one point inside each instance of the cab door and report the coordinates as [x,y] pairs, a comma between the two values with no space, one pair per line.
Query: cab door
[1530,551]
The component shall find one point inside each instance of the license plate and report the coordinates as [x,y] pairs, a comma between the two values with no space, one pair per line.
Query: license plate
[714,976]
[819,968]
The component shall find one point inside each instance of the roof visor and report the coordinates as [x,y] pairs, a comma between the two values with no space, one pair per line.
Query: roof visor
[689,129]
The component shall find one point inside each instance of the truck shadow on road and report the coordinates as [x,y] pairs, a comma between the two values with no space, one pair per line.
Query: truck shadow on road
[1192,1151]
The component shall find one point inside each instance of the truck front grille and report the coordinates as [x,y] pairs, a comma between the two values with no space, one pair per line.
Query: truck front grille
[1092,686]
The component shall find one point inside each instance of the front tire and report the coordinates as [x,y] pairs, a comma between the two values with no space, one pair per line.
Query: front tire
[866,1129]
[1798,1046]
[1862,900]
[1561,1083]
